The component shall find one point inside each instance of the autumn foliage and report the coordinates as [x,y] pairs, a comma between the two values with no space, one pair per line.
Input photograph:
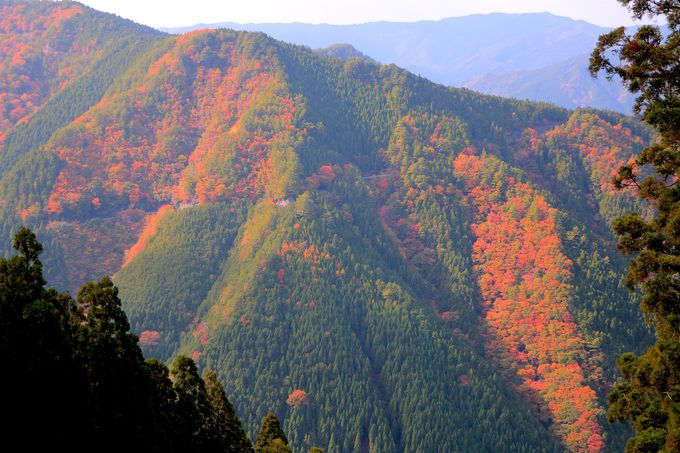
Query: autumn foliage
[203,121]
[391,246]
[198,127]
[524,277]
[525,280]
[39,55]
[149,231]
[297,398]
[149,338]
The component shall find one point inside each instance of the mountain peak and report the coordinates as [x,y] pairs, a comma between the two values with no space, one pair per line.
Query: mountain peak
[344,51]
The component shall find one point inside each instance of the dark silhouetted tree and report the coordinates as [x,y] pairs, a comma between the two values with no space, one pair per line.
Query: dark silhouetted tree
[113,366]
[39,378]
[224,424]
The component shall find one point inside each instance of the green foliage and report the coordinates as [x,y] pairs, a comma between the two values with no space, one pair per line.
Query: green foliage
[648,65]
[271,438]
[193,404]
[224,422]
[76,362]
[112,362]
[298,224]
[345,340]
[193,243]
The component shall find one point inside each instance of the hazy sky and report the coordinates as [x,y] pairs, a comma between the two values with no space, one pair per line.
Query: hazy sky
[171,13]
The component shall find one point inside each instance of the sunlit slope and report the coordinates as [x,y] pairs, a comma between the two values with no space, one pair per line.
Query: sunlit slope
[391,264]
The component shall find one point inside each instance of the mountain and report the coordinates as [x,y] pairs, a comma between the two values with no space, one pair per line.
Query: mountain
[57,61]
[344,52]
[448,51]
[387,263]
[567,83]
[536,56]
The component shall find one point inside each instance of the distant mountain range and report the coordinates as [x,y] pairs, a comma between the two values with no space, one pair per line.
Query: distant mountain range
[534,56]
[567,83]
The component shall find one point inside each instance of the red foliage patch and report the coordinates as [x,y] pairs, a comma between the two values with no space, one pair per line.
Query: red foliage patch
[150,338]
[525,280]
[197,128]
[29,41]
[297,398]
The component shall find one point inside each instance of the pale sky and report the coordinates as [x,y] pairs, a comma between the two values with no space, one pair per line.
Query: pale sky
[173,13]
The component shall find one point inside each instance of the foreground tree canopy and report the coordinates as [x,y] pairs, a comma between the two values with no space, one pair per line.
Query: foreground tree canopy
[74,376]
[649,64]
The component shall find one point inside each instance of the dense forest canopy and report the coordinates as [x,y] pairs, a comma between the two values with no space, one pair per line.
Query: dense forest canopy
[384,263]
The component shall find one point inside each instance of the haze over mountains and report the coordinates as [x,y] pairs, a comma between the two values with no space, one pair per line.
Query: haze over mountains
[534,56]
[431,267]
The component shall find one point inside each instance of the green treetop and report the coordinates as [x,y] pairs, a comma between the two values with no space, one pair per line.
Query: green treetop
[648,62]
[271,438]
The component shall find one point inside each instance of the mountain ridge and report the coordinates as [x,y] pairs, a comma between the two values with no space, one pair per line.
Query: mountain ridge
[545,40]
[303,223]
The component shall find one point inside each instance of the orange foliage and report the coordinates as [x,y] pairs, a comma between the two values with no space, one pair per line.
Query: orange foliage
[524,277]
[31,211]
[325,175]
[190,135]
[605,148]
[201,332]
[297,398]
[327,172]
[149,231]
[525,280]
[26,43]
[310,253]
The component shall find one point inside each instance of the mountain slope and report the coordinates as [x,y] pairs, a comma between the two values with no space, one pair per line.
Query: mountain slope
[344,52]
[58,59]
[534,56]
[47,49]
[567,83]
[510,42]
[326,235]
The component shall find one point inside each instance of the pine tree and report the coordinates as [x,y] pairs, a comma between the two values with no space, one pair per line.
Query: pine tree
[271,437]
[75,374]
[193,406]
[649,65]
[164,401]
[113,367]
[225,425]
[39,378]
[358,448]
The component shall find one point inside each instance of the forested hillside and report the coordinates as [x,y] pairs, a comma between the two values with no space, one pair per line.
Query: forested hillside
[535,56]
[386,263]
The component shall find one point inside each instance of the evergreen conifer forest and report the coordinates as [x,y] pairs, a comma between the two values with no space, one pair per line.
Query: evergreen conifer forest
[218,241]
